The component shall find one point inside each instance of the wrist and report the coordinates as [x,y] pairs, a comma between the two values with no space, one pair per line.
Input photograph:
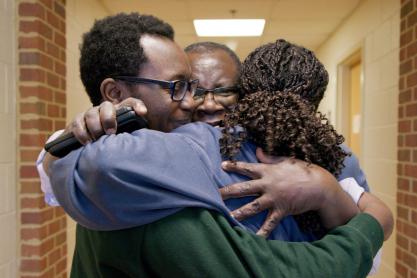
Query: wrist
[337,207]
[328,188]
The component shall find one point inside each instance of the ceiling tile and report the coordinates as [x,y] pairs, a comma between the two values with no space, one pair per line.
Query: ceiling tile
[222,9]
[186,40]
[300,26]
[165,9]
[185,27]
[318,9]
[309,41]
[305,22]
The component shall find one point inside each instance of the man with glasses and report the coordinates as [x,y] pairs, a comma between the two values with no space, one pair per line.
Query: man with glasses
[217,69]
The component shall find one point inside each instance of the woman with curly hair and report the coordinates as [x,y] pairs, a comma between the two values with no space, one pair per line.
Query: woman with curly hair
[281,86]
[283,124]
[277,112]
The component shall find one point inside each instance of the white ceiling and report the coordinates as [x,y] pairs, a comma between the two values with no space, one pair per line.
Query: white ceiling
[305,22]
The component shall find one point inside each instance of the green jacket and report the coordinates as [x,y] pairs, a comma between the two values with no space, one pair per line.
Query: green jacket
[201,243]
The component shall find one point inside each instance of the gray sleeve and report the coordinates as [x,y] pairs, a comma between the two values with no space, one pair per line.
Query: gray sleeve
[127,180]
[352,169]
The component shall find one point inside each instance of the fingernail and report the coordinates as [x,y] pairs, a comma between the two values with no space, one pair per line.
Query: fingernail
[142,109]
[225,164]
[261,234]
[110,131]
[236,214]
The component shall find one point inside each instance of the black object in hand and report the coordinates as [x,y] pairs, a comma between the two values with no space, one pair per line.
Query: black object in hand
[127,121]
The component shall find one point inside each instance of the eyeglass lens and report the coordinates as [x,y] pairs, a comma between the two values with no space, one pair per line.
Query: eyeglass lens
[181,87]
[221,96]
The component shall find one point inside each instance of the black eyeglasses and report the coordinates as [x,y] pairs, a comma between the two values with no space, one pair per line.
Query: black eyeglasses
[220,94]
[177,88]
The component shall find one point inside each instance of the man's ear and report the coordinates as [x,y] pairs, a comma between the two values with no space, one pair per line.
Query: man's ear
[110,90]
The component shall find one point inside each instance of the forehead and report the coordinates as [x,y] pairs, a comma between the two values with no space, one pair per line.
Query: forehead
[165,59]
[213,68]
[212,60]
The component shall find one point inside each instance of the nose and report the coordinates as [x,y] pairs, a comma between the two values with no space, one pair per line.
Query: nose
[209,105]
[209,111]
[187,103]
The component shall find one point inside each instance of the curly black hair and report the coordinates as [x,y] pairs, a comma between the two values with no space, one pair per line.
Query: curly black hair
[285,67]
[204,47]
[284,124]
[112,47]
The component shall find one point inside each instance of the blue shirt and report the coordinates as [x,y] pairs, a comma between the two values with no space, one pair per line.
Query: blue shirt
[127,180]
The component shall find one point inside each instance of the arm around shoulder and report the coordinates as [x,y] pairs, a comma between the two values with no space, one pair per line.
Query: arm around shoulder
[113,183]
[199,241]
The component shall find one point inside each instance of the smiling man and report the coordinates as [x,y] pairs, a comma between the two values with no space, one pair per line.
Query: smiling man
[217,68]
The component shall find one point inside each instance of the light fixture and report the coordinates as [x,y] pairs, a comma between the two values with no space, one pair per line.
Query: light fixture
[229,27]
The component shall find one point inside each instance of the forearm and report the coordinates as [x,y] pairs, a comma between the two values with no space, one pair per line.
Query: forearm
[125,180]
[370,204]
[337,210]
[197,241]
[103,183]
[337,207]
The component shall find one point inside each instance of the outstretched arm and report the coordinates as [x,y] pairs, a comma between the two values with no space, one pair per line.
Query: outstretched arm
[126,180]
[198,242]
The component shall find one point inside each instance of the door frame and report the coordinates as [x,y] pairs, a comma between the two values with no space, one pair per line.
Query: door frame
[343,95]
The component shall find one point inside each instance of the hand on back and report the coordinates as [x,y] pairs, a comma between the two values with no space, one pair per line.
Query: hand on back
[287,186]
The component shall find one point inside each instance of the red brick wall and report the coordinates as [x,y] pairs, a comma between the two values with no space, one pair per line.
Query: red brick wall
[41,109]
[406,249]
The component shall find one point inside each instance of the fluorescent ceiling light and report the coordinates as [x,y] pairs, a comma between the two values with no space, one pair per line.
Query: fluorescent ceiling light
[229,27]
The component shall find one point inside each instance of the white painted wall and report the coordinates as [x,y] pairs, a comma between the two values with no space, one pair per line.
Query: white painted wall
[375,27]
[8,185]
[80,18]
